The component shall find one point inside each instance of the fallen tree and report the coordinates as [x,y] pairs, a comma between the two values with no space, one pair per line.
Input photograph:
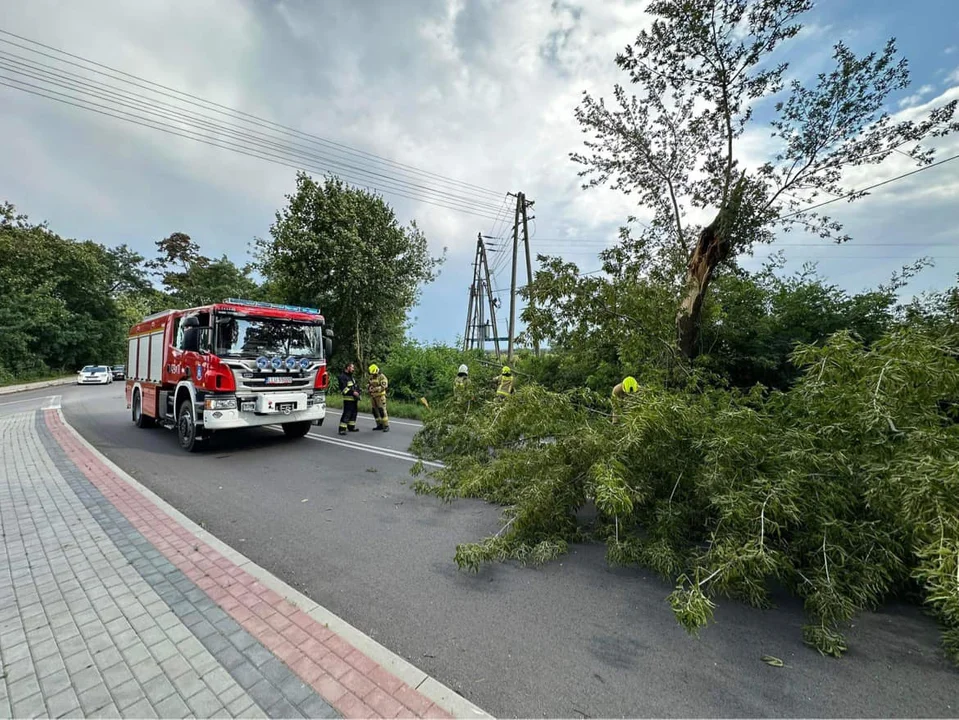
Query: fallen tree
[843,489]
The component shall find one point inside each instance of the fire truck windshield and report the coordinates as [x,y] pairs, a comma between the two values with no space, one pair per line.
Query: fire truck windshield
[252,337]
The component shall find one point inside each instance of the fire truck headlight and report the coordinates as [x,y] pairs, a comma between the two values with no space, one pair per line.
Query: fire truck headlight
[220,403]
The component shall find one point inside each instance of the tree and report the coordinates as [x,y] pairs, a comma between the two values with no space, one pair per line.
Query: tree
[701,71]
[842,490]
[193,279]
[128,270]
[342,249]
[56,304]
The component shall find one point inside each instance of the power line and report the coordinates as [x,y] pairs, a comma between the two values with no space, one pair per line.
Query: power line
[244,137]
[153,108]
[868,187]
[227,145]
[217,107]
[265,147]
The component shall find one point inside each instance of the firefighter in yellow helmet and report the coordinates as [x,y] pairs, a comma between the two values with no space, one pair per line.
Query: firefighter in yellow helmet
[505,387]
[627,387]
[377,391]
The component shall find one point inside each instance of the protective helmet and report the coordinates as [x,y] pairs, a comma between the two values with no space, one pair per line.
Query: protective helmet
[506,371]
[374,369]
[630,385]
[463,370]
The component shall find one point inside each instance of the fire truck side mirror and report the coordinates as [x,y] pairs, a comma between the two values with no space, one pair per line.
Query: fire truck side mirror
[191,339]
[191,322]
[328,332]
[327,346]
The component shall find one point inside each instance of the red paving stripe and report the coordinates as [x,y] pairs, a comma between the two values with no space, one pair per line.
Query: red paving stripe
[352,683]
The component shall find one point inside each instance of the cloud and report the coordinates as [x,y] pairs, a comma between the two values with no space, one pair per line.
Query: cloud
[478,90]
[916,97]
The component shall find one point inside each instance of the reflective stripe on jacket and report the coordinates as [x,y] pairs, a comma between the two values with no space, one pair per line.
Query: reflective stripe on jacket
[348,387]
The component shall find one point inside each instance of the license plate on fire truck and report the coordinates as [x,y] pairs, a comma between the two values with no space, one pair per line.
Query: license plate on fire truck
[279,380]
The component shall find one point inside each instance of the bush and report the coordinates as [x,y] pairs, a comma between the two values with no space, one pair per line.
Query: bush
[843,489]
[416,371]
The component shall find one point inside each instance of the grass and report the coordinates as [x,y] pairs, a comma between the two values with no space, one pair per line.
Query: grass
[6,379]
[395,408]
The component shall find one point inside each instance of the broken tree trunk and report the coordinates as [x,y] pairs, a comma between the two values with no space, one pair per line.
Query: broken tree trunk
[712,247]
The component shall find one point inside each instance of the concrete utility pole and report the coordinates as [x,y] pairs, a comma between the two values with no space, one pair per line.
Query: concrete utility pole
[529,262]
[512,285]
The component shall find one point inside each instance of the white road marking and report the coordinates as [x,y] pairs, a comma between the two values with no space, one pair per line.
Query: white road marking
[392,421]
[364,445]
[33,399]
[53,402]
[349,445]
[395,454]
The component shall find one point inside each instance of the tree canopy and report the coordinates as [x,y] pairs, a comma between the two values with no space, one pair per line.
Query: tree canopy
[342,249]
[703,73]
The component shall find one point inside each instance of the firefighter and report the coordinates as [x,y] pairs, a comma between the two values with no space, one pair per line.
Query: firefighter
[350,391]
[461,383]
[505,388]
[377,390]
[627,387]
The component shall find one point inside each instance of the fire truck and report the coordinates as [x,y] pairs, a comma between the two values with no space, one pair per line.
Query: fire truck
[235,364]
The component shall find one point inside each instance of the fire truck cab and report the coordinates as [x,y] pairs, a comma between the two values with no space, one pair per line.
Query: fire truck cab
[235,364]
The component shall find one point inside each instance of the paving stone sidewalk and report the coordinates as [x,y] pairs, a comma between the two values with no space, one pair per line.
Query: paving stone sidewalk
[111,608]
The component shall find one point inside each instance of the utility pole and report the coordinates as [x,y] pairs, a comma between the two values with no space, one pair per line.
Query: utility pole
[489,290]
[512,284]
[520,218]
[471,306]
[480,299]
[529,262]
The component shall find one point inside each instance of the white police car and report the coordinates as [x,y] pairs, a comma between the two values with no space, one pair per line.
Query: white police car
[95,375]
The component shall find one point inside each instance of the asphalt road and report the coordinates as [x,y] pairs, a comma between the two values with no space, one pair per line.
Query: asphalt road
[572,639]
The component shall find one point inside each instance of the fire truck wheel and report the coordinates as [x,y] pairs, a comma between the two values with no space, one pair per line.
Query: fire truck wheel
[185,427]
[139,419]
[296,429]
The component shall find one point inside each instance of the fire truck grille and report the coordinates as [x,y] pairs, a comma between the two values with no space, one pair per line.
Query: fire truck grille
[248,379]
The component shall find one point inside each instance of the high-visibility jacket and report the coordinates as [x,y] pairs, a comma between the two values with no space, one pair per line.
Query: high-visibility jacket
[378,385]
[505,385]
[348,387]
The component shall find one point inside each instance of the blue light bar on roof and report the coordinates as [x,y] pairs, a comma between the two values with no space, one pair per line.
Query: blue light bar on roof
[257,303]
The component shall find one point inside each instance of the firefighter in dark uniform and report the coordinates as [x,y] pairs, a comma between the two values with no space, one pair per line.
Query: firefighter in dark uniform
[351,399]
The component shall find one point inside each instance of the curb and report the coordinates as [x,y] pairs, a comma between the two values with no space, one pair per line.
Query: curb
[10,389]
[444,697]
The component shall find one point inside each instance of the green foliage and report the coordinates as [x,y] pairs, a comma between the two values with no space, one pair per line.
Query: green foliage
[58,307]
[752,322]
[843,489]
[192,279]
[342,249]
[698,72]
[417,370]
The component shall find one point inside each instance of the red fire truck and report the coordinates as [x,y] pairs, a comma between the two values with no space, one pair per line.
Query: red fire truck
[234,364]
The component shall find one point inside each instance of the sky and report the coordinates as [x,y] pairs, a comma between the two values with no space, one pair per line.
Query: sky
[481,92]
